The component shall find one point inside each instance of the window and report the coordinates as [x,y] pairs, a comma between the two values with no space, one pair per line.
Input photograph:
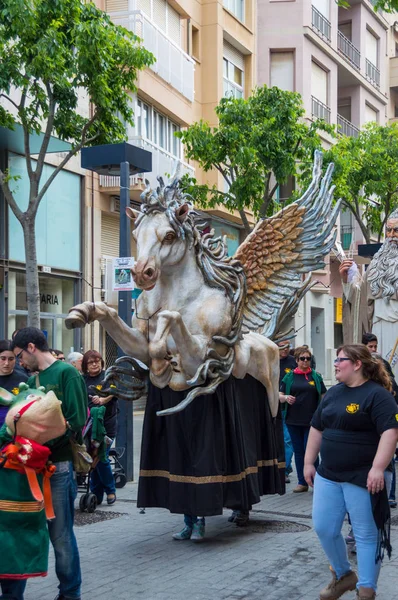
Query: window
[233,71]
[319,83]
[346,30]
[164,16]
[344,108]
[322,6]
[371,48]
[157,128]
[195,43]
[236,7]
[371,114]
[282,70]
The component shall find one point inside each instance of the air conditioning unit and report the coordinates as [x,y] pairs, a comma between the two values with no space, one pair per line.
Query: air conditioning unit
[109,296]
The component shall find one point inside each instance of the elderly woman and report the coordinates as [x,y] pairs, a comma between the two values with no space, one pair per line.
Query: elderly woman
[301,392]
[356,430]
[102,480]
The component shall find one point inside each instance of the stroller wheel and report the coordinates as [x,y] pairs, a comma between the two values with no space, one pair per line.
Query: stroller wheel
[120,480]
[91,503]
[83,502]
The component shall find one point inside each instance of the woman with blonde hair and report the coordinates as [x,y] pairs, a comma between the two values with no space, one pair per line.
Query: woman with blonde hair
[356,430]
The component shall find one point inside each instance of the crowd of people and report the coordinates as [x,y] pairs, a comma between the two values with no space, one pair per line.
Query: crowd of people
[353,427]
[74,379]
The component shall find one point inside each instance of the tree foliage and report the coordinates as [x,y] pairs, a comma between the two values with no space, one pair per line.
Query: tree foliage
[366,175]
[51,53]
[258,143]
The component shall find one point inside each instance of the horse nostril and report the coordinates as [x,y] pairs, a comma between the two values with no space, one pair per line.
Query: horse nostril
[149,273]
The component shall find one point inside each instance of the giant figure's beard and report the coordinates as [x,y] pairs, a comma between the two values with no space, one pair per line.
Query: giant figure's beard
[382,273]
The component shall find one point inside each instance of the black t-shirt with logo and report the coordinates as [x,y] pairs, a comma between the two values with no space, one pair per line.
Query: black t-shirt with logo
[286,365]
[307,399]
[352,420]
[11,383]
[110,419]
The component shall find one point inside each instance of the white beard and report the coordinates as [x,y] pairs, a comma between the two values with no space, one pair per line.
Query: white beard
[382,273]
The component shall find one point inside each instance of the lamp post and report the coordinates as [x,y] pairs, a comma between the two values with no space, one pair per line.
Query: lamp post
[122,160]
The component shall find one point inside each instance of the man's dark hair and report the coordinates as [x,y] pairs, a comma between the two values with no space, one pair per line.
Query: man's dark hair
[368,337]
[30,335]
[5,345]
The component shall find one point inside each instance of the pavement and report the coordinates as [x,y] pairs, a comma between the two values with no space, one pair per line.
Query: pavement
[278,557]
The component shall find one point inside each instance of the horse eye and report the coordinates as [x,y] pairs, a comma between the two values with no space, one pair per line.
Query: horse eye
[169,237]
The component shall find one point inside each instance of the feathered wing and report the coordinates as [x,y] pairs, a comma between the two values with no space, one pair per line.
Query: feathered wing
[281,249]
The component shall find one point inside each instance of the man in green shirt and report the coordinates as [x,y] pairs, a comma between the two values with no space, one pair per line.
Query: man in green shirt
[30,345]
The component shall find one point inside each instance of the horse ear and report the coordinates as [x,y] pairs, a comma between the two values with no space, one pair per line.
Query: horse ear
[131,213]
[181,212]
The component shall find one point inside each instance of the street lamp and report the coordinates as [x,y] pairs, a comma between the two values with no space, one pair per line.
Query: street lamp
[122,160]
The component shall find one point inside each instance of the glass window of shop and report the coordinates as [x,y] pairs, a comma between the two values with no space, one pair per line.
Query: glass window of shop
[56,298]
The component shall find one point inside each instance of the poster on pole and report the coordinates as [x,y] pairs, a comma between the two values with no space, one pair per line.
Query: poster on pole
[122,278]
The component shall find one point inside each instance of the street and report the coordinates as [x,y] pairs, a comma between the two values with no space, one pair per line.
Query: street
[278,556]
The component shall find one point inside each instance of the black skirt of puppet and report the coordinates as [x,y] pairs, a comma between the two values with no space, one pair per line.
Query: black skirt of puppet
[223,450]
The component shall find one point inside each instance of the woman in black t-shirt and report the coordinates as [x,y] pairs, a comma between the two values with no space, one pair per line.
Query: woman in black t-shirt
[356,430]
[101,480]
[302,390]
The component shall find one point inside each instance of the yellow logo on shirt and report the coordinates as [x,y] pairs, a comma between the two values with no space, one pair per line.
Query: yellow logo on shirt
[352,408]
[15,391]
[396,417]
[287,370]
[311,382]
[98,387]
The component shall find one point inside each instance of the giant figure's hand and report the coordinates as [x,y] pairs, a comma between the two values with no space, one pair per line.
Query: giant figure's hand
[344,268]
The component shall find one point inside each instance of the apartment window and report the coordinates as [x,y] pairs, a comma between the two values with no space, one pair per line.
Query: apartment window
[116,5]
[371,114]
[195,51]
[151,125]
[233,71]
[319,92]
[344,108]
[322,6]
[164,16]
[346,30]
[282,70]
[236,7]
[372,48]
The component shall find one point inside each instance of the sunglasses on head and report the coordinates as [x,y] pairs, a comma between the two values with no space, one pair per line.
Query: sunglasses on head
[304,357]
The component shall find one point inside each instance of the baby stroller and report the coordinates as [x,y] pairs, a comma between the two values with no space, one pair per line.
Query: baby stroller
[88,500]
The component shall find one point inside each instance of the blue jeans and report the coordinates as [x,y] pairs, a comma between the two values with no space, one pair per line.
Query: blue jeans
[299,437]
[12,589]
[394,482]
[288,447]
[67,562]
[102,479]
[190,520]
[331,502]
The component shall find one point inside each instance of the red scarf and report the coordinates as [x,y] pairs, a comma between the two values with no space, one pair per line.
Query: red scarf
[299,371]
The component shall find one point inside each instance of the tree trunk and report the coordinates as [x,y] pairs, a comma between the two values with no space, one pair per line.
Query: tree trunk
[32,274]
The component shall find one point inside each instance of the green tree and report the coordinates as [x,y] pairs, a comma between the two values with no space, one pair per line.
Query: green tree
[366,175]
[50,52]
[258,143]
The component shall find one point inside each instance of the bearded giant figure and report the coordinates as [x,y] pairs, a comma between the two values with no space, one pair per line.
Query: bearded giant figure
[203,325]
[373,304]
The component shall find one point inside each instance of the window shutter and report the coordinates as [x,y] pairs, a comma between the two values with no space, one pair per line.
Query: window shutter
[145,6]
[319,83]
[322,6]
[234,56]
[109,235]
[371,47]
[173,25]
[159,13]
[370,114]
[117,5]
[282,70]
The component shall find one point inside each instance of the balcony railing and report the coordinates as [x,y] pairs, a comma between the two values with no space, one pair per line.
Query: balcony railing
[372,73]
[321,24]
[172,63]
[348,49]
[163,163]
[319,110]
[232,90]
[346,128]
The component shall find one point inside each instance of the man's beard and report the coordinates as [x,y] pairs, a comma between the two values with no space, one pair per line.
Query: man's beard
[382,273]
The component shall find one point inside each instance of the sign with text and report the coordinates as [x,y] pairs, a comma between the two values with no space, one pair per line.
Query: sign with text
[122,277]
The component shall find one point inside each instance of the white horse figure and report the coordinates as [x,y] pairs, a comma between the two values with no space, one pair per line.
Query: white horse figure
[192,322]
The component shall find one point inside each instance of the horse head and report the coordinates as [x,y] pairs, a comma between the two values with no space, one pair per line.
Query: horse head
[161,241]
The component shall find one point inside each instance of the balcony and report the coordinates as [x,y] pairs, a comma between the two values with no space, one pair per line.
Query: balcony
[172,63]
[232,90]
[372,73]
[319,110]
[348,50]
[346,128]
[163,164]
[321,25]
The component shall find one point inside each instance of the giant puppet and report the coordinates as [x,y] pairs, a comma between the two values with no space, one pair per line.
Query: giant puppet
[373,299]
[203,325]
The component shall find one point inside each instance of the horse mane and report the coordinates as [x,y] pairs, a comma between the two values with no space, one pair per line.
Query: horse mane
[219,271]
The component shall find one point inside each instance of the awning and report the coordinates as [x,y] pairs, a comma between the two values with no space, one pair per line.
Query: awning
[12,140]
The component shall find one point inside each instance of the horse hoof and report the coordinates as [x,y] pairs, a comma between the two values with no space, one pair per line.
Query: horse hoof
[76,318]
